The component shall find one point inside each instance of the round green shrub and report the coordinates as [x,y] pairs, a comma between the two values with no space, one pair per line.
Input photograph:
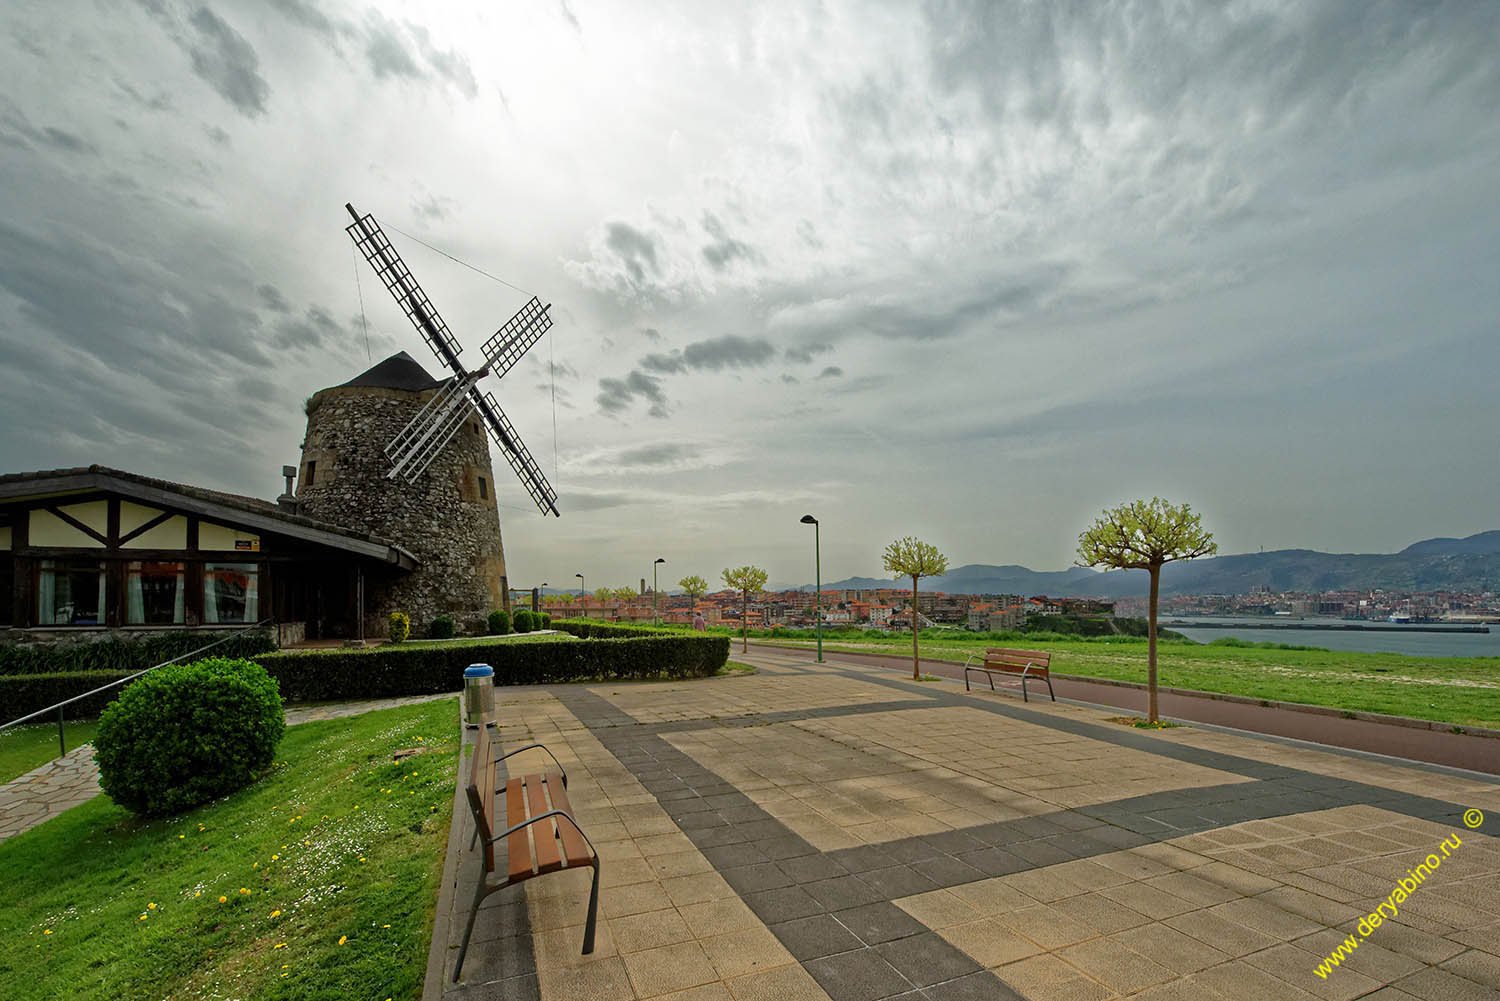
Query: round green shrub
[525,622]
[545,620]
[188,733]
[400,627]
[499,622]
[441,628]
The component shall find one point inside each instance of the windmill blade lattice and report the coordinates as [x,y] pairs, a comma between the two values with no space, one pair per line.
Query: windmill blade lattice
[413,450]
[398,280]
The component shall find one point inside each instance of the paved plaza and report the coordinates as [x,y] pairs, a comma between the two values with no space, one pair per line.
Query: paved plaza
[839,832]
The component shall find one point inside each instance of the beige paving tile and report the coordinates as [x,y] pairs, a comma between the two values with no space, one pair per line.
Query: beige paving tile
[739,953]
[669,968]
[1047,978]
[990,942]
[786,983]
[715,917]
[602,981]
[1116,966]
[650,930]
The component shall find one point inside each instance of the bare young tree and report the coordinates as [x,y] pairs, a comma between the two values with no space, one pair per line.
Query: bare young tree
[745,580]
[1145,535]
[694,587]
[913,558]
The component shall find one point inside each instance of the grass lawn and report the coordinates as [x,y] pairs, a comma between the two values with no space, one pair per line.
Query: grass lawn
[26,747]
[1464,691]
[319,881]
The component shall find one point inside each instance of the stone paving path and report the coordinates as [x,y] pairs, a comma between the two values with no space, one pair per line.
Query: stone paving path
[62,783]
[833,833]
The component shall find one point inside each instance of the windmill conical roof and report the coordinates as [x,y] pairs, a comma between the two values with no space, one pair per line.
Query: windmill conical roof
[399,371]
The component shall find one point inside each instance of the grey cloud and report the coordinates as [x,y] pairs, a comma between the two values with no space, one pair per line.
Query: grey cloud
[272,298]
[449,64]
[19,129]
[831,372]
[387,49]
[636,250]
[387,52]
[216,135]
[714,354]
[651,334]
[725,250]
[228,64]
[790,380]
[804,352]
[595,500]
[657,455]
[729,351]
[434,207]
[315,330]
[309,17]
[616,395]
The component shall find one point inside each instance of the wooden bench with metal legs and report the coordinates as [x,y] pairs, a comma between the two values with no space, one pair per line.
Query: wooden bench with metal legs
[1026,663]
[540,835]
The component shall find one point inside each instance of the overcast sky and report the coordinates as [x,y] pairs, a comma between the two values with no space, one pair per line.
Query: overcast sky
[966,271]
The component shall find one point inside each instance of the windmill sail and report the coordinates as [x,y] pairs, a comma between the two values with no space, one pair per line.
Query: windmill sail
[516,338]
[417,444]
[397,278]
[413,450]
[519,457]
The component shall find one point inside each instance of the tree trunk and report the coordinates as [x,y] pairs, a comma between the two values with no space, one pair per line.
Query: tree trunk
[1151,645]
[916,673]
[745,628]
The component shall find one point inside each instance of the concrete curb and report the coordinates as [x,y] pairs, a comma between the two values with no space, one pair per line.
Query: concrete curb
[437,953]
[1300,707]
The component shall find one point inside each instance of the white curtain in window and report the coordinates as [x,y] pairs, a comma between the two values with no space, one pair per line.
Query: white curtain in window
[210,597]
[47,595]
[252,594]
[179,611]
[135,605]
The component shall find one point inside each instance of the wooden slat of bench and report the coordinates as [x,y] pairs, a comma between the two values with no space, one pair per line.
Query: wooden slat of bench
[575,852]
[518,845]
[543,834]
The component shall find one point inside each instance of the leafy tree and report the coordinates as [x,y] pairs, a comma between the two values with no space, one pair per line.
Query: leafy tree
[913,558]
[603,594]
[695,586]
[1146,536]
[745,580]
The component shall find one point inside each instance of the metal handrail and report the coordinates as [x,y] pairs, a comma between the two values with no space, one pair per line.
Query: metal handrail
[121,681]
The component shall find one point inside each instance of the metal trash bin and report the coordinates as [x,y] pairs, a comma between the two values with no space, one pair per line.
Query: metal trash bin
[479,695]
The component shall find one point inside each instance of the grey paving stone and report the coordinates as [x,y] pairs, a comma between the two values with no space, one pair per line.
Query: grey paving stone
[926,959]
[876,923]
[815,936]
[857,976]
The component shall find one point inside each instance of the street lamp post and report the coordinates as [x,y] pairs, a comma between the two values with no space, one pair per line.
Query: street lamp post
[659,562]
[808,519]
[581,610]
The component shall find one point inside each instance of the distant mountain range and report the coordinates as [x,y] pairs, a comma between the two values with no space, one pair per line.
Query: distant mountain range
[1471,564]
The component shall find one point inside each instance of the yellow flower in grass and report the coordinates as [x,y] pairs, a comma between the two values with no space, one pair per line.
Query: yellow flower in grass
[275,857]
[385,926]
[150,907]
[181,836]
[46,931]
[198,893]
[223,900]
[276,913]
[143,917]
[361,858]
[244,891]
[278,945]
[343,939]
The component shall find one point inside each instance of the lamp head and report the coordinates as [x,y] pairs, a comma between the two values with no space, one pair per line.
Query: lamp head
[659,560]
[808,519]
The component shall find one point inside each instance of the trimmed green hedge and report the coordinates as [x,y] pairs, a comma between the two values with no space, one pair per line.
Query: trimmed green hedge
[594,629]
[125,656]
[23,694]
[387,671]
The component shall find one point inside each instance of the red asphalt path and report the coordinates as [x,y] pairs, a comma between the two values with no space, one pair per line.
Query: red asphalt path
[1439,747]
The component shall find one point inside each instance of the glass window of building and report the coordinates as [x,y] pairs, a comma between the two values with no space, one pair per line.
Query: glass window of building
[231,592]
[154,593]
[70,593]
[7,595]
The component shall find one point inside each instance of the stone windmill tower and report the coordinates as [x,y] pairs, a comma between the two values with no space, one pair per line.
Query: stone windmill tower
[447,518]
[403,456]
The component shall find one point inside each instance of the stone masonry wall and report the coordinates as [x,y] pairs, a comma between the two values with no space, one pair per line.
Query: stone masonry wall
[442,519]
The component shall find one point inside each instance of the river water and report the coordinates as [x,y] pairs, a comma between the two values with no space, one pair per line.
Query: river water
[1393,639]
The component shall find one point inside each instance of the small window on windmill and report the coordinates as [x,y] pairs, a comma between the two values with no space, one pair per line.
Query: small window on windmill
[484,490]
[312,473]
